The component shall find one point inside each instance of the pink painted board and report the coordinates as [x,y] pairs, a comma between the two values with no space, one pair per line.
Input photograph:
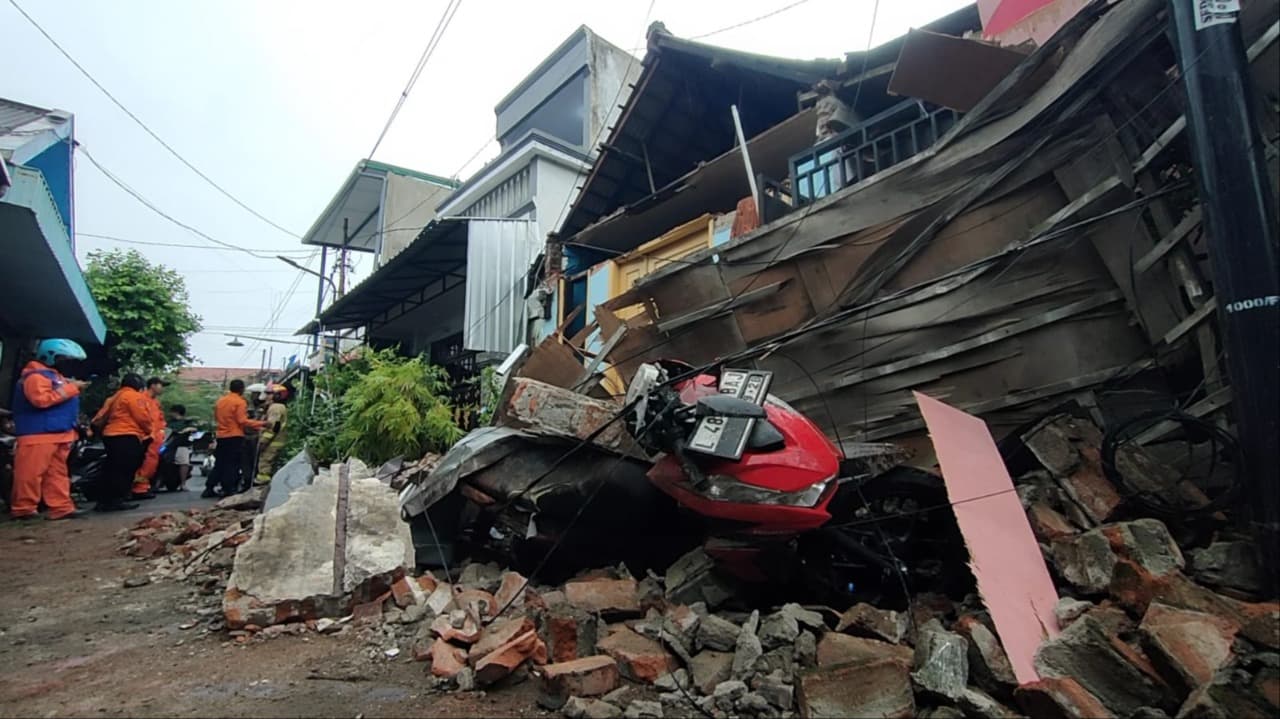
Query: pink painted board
[1004,555]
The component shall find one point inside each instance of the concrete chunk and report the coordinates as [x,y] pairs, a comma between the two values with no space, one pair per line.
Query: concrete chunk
[867,621]
[1084,652]
[1189,646]
[941,661]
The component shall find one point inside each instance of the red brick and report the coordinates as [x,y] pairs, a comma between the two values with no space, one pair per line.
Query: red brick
[879,688]
[405,592]
[1060,698]
[570,633]
[587,677]
[427,583]
[467,633]
[367,613]
[1135,589]
[478,601]
[1189,646]
[512,583]
[446,659]
[639,658]
[1090,488]
[613,597]
[867,621]
[1048,524]
[497,634]
[836,648]
[506,658]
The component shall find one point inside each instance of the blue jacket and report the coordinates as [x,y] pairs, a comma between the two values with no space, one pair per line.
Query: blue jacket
[30,419]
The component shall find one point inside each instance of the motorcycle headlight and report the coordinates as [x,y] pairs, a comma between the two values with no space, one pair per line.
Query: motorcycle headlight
[723,488]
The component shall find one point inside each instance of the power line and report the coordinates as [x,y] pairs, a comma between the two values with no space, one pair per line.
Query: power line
[144,126]
[753,20]
[151,206]
[126,241]
[441,25]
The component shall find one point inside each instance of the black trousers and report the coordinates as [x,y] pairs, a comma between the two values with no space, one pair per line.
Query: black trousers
[228,460]
[124,456]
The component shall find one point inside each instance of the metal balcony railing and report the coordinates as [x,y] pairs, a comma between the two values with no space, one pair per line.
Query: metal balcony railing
[854,155]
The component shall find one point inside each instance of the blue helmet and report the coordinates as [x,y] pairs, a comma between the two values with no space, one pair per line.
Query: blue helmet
[50,351]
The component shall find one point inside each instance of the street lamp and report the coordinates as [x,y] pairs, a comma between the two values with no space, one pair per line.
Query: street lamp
[235,341]
[302,268]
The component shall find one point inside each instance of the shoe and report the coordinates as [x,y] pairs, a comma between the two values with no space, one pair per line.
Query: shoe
[76,514]
[144,495]
[115,506]
[209,494]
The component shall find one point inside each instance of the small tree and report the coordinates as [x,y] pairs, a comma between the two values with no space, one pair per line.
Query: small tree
[398,408]
[146,309]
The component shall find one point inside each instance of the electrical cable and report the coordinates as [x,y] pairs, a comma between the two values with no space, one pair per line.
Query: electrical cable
[152,206]
[753,20]
[441,25]
[113,238]
[147,129]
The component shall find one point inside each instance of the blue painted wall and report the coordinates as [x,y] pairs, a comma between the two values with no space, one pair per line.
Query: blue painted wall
[55,163]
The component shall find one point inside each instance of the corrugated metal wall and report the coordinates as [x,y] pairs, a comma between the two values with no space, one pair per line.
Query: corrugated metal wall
[499,254]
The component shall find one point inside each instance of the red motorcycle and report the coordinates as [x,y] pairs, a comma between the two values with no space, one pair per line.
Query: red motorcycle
[780,501]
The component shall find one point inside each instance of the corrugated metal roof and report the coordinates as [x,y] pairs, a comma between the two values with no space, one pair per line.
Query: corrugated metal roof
[16,114]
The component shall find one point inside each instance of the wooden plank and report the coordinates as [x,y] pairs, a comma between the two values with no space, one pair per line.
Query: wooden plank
[1167,243]
[703,313]
[590,371]
[553,362]
[1200,315]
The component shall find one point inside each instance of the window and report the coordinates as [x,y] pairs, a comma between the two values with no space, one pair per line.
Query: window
[563,115]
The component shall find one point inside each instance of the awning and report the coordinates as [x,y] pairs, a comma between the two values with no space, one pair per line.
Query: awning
[43,293]
[434,263]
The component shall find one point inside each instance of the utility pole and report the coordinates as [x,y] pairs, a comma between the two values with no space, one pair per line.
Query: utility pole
[1240,219]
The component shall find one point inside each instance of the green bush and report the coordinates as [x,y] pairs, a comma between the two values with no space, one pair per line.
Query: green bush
[376,407]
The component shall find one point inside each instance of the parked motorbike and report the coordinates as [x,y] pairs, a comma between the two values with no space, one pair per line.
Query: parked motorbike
[167,477]
[86,465]
[779,501]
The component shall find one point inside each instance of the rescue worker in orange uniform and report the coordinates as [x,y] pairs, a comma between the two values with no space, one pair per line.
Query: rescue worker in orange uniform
[231,415]
[46,409]
[128,424]
[143,481]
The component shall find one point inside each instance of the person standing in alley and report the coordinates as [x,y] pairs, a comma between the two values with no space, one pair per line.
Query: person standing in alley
[273,437]
[46,408]
[231,417]
[127,423]
[142,481]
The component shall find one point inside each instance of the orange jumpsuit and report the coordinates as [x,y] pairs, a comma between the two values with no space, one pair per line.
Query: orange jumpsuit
[151,462]
[40,461]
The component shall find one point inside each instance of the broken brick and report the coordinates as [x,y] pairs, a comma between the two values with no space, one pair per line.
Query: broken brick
[1089,560]
[1060,698]
[587,677]
[879,688]
[1189,646]
[507,658]
[610,597]
[639,658]
[1089,487]
[710,668]
[427,583]
[406,592]
[367,613]
[481,603]
[446,659]
[868,621]
[1135,589]
[1048,524]
[1084,651]
[570,633]
[835,648]
[512,590]
[496,634]
[456,626]
[988,662]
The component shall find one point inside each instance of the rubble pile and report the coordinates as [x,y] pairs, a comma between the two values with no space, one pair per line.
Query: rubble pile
[195,545]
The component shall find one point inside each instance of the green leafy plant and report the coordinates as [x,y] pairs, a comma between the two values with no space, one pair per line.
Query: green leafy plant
[490,394]
[398,408]
[146,310]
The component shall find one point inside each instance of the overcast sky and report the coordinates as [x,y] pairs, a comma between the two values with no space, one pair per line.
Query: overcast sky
[277,100]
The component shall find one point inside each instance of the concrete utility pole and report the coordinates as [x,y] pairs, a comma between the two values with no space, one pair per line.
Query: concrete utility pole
[1240,217]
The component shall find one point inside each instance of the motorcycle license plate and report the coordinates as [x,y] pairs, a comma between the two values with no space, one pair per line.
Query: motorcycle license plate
[726,437]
